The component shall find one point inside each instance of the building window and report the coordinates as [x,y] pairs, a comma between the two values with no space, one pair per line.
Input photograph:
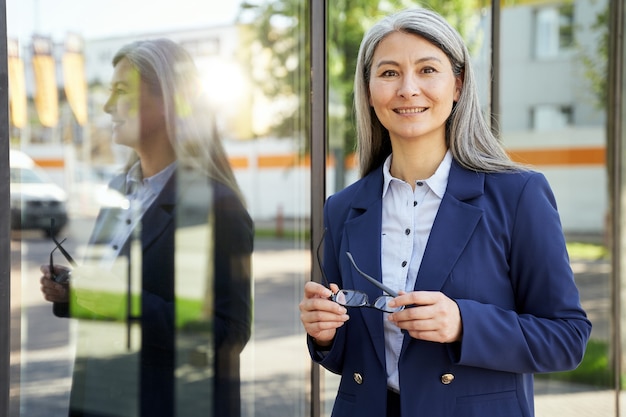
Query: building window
[551,117]
[554,31]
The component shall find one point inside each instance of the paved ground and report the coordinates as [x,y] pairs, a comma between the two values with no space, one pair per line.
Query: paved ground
[270,386]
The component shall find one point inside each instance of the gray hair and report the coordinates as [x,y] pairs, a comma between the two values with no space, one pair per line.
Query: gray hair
[169,71]
[468,136]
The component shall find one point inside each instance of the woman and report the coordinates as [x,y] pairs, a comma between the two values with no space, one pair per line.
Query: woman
[471,242]
[178,186]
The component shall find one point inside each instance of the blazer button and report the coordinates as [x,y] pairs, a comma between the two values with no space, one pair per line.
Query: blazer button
[447,378]
[358,378]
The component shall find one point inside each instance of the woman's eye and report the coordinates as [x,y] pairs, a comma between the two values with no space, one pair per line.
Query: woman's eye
[117,91]
[389,73]
[428,70]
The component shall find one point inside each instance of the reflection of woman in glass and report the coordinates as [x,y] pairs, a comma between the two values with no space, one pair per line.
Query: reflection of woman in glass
[470,241]
[158,111]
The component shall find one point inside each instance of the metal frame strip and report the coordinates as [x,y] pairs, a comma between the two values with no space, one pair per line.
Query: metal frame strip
[318,13]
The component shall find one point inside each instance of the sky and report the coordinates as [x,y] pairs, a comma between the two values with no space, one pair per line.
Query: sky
[95,19]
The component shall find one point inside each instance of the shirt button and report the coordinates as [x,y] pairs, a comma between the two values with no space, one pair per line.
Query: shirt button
[414,203]
[403,264]
[114,247]
[419,183]
[127,221]
[407,232]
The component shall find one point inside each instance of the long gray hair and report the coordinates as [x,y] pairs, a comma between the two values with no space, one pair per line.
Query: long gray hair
[468,136]
[169,71]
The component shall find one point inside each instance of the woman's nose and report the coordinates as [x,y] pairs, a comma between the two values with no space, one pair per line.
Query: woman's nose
[409,87]
[108,105]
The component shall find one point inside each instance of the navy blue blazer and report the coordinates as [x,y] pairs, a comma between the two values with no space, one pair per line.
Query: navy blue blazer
[497,249]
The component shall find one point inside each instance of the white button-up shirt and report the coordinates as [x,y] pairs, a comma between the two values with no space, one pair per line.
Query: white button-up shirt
[408,217]
[141,193]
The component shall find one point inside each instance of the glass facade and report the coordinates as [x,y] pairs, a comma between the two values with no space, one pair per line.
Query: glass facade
[172,310]
[204,293]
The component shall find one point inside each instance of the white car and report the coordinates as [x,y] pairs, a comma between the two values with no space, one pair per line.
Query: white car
[35,198]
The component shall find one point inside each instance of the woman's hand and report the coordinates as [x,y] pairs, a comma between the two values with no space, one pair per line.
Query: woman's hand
[320,316]
[428,315]
[54,291]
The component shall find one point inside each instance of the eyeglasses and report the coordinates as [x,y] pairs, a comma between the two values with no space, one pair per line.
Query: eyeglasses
[354,298]
[64,275]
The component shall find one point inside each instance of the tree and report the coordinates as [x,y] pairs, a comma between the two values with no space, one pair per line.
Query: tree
[279,59]
[595,61]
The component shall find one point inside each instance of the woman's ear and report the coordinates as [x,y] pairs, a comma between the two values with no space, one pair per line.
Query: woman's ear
[459,87]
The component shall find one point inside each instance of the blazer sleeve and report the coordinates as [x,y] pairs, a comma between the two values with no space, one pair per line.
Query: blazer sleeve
[548,330]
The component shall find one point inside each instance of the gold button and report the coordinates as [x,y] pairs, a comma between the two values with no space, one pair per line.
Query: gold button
[358,378]
[447,378]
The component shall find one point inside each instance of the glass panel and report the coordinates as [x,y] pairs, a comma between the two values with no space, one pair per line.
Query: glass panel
[169,312]
[553,118]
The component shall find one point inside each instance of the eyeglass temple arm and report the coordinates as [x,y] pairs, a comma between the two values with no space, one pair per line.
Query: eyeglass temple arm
[370,279]
[61,248]
[65,253]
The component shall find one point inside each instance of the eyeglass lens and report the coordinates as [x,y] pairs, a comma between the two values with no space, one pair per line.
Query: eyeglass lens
[352,298]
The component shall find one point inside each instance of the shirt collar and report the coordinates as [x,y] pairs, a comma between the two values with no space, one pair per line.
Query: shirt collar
[438,182]
[135,180]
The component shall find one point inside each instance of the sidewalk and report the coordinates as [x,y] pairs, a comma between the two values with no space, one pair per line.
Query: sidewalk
[574,402]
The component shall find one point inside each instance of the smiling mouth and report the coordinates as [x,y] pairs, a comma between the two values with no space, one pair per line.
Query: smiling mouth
[414,110]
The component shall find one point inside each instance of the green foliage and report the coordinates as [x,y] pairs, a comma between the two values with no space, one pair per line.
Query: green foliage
[279,49]
[586,251]
[594,61]
[188,311]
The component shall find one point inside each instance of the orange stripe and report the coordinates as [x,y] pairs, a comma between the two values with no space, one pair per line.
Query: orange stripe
[560,156]
[239,162]
[583,156]
[580,156]
[351,161]
[50,162]
[276,161]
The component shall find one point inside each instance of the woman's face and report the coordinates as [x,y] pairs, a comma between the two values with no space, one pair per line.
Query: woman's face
[137,114]
[412,87]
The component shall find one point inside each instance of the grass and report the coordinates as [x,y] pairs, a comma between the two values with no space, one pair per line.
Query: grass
[112,307]
[284,234]
[586,251]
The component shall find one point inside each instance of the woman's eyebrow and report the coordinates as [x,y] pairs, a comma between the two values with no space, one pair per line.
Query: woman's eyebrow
[418,61]
[119,84]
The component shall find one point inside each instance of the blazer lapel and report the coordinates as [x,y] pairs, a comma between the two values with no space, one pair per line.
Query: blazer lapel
[453,227]
[159,214]
[362,236]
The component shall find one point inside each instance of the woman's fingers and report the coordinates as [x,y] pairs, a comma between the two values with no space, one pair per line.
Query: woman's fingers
[319,315]
[428,315]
